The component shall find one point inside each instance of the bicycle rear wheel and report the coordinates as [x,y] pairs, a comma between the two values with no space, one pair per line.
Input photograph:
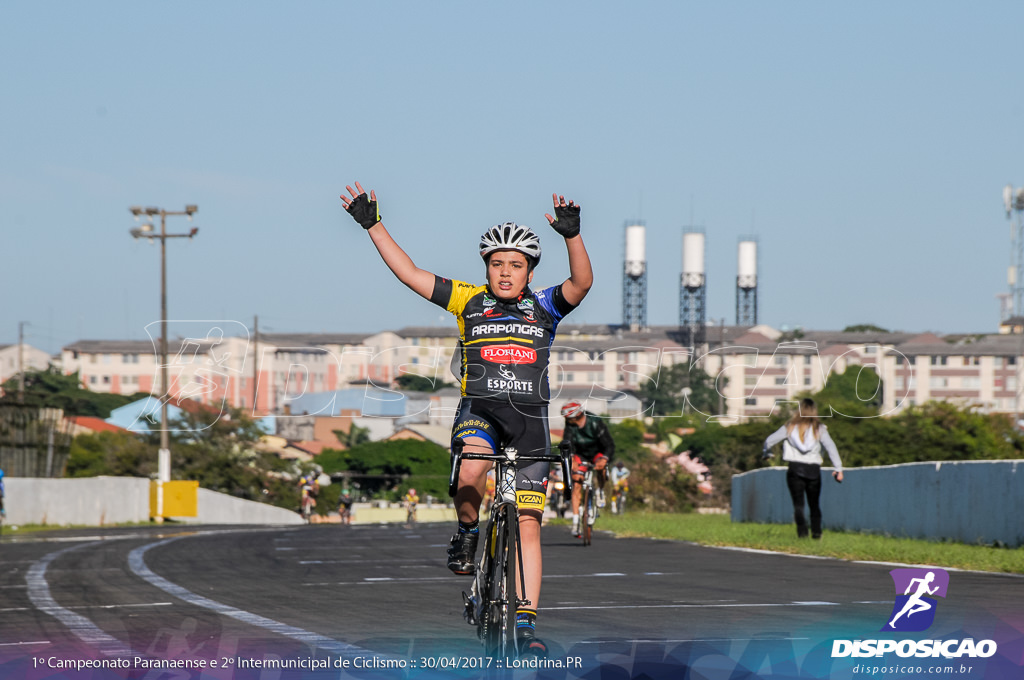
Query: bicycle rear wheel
[500,629]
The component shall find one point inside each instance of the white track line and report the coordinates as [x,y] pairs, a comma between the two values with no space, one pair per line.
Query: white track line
[699,606]
[319,642]
[758,551]
[654,641]
[83,628]
[96,638]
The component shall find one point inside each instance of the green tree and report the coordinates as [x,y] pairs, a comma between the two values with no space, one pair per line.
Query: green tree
[385,469]
[655,487]
[119,454]
[418,383]
[680,388]
[865,328]
[218,450]
[49,388]
[939,431]
[855,393]
[355,436]
[628,436]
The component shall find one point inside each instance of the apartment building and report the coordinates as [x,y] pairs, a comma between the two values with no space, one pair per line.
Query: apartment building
[755,368]
[261,374]
[29,357]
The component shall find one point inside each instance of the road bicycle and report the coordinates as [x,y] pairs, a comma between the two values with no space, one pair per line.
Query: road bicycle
[345,513]
[308,503]
[591,496]
[494,598]
[559,502]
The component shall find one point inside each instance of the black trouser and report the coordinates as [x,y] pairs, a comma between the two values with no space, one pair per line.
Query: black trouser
[803,479]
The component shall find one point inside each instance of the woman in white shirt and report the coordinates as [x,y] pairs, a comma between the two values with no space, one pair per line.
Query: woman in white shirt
[802,439]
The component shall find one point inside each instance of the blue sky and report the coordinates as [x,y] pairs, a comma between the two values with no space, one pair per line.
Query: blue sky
[865,144]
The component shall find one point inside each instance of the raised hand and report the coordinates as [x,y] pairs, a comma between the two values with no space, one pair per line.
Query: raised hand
[362,209]
[566,220]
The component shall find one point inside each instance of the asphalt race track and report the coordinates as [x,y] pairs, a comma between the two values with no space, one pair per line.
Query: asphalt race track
[326,601]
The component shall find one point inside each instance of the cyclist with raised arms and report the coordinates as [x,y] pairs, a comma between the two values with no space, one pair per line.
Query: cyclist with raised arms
[506,330]
[593,444]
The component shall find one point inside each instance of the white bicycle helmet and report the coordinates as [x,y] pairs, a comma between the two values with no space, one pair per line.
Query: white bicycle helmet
[511,236]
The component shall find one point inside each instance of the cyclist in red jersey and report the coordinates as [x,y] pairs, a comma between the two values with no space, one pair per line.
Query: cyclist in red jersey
[506,333]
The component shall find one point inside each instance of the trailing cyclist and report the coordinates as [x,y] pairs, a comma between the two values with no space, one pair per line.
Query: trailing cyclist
[410,501]
[309,488]
[619,477]
[593,445]
[506,330]
[345,506]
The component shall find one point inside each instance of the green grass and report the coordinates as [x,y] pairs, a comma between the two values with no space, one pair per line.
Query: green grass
[718,530]
[14,530]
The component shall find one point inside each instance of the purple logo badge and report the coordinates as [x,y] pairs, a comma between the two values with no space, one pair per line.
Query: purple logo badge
[914,608]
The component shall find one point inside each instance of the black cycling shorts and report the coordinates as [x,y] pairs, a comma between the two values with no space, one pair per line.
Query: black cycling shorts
[502,423]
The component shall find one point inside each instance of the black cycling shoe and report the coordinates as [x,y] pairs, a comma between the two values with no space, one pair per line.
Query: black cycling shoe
[529,645]
[461,553]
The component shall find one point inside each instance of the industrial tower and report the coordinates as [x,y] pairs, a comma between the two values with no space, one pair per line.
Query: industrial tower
[634,278]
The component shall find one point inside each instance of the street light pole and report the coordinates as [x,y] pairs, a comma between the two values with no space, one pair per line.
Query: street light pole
[21,362]
[146,231]
[1013,201]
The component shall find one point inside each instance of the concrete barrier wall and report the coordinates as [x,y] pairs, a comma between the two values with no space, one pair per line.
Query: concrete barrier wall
[89,501]
[220,508]
[365,513]
[97,501]
[964,501]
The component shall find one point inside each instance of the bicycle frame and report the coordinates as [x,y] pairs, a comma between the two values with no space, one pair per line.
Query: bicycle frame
[493,600]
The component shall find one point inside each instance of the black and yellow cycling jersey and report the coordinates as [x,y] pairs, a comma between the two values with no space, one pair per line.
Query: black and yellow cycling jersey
[505,344]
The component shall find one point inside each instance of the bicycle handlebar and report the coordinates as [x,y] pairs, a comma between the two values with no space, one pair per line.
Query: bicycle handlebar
[564,456]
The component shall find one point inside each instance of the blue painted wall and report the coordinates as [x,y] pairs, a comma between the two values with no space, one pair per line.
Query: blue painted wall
[966,501]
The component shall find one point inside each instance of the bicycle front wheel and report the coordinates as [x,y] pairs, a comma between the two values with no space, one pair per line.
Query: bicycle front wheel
[500,640]
[587,508]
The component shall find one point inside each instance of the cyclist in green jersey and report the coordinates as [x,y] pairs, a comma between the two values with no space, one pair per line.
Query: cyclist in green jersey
[506,330]
[592,443]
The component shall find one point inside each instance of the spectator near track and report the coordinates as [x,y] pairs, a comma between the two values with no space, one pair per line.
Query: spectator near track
[506,330]
[592,443]
[803,438]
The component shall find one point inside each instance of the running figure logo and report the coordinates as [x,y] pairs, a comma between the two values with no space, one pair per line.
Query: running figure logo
[914,610]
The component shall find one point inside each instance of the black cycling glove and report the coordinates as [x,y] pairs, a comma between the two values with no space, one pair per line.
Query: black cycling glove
[364,211]
[567,220]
